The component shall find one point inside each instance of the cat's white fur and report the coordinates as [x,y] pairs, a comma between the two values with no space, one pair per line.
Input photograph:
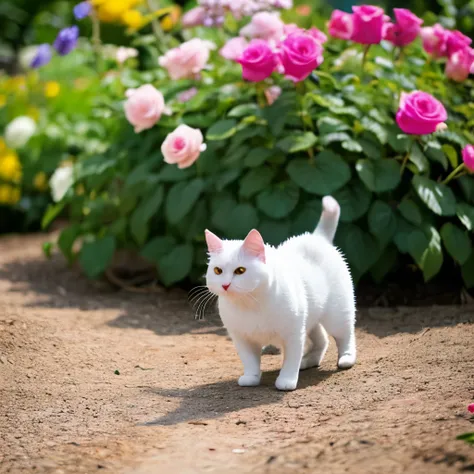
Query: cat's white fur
[290,296]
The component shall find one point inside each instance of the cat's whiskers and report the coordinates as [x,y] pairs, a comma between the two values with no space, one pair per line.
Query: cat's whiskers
[202,296]
[202,306]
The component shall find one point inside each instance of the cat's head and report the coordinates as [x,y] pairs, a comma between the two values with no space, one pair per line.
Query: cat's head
[236,266]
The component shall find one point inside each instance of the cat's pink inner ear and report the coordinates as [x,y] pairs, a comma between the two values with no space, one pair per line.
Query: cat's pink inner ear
[214,244]
[254,245]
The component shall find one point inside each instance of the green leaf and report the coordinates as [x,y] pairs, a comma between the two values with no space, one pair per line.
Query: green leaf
[227,177]
[47,249]
[51,213]
[157,248]
[66,240]
[382,221]
[352,145]
[419,159]
[255,180]
[457,242]
[434,152]
[222,130]
[468,437]
[96,256]
[307,219]
[402,236]
[335,137]
[244,110]
[143,213]
[176,265]
[171,174]
[327,174]
[371,149]
[398,141]
[359,247]
[452,154]
[278,113]
[452,137]
[380,175]
[425,248]
[410,211]
[327,125]
[297,142]
[467,271]
[274,232]
[467,187]
[465,213]
[354,199]
[222,206]
[386,262]
[279,200]
[240,221]
[181,199]
[375,128]
[258,156]
[437,197]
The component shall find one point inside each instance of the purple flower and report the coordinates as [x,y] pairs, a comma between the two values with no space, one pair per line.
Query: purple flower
[81,10]
[42,57]
[66,40]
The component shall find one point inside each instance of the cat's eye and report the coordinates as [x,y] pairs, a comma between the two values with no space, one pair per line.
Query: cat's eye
[239,271]
[217,270]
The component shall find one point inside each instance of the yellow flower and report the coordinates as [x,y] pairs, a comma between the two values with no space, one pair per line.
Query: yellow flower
[133,19]
[170,20]
[40,181]
[16,83]
[112,10]
[51,89]
[10,167]
[9,194]
[3,145]
[3,100]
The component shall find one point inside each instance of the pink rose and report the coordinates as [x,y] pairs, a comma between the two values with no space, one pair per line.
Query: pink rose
[258,61]
[272,94]
[459,64]
[193,17]
[435,40]
[318,35]
[300,54]
[234,48]
[340,25]
[264,25]
[187,60]
[183,146]
[144,107]
[186,95]
[368,23]
[405,30]
[468,158]
[457,41]
[420,113]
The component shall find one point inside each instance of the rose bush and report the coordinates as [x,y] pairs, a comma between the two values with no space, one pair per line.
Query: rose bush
[287,116]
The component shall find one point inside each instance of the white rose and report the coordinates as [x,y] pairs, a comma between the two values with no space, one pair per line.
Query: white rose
[60,182]
[19,131]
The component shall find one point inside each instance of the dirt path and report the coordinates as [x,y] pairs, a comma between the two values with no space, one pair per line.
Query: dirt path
[175,406]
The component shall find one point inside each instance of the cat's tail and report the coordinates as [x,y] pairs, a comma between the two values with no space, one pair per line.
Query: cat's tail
[327,225]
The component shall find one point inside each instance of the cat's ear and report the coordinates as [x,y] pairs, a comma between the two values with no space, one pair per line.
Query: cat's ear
[254,245]
[214,244]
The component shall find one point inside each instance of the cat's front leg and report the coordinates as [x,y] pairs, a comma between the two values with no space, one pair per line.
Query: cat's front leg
[293,347]
[250,355]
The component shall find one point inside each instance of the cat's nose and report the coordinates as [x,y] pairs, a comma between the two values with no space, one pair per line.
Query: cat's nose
[226,286]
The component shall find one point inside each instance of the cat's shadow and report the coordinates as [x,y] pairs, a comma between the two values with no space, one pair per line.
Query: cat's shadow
[214,400]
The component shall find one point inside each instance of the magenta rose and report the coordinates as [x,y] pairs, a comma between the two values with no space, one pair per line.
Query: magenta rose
[340,25]
[183,146]
[368,24]
[258,61]
[459,64]
[300,54]
[234,48]
[468,158]
[457,41]
[420,113]
[405,30]
[435,40]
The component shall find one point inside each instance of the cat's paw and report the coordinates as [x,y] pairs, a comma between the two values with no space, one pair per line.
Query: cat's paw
[249,380]
[346,361]
[286,383]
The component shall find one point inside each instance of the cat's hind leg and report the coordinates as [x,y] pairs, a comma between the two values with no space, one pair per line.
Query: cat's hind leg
[250,355]
[319,345]
[343,331]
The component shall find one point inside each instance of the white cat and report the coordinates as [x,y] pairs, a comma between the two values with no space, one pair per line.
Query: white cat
[287,296]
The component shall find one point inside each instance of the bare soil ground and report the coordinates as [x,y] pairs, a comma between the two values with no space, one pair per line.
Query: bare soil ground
[97,380]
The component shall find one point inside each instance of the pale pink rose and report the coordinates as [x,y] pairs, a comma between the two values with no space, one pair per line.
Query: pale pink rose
[318,35]
[123,54]
[405,30]
[420,113]
[193,17]
[459,64]
[264,25]
[272,93]
[435,40]
[441,127]
[234,48]
[187,60]
[258,61]
[457,41]
[186,95]
[368,24]
[183,146]
[144,107]
[340,25]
